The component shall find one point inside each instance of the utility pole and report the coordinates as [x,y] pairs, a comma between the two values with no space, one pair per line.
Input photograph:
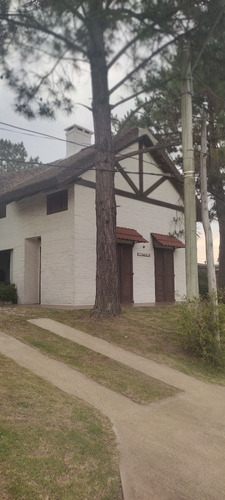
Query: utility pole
[189,177]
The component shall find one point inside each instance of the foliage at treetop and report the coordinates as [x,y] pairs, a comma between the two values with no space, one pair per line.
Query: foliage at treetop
[44,43]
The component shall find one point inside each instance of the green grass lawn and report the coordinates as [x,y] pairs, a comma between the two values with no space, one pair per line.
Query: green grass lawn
[114,375]
[149,331]
[52,445]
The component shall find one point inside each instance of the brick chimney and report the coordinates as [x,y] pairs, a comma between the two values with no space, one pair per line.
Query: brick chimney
[77,138]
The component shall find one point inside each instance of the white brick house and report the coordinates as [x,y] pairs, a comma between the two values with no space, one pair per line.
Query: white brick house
[47,226]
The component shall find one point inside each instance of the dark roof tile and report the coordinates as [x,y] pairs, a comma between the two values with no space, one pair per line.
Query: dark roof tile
[168,241]
[124,233]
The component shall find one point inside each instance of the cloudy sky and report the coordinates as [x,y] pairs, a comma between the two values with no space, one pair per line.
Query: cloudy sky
[52,149]
[47,149]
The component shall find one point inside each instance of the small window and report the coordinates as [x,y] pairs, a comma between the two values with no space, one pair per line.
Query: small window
[57,202]
[2,210]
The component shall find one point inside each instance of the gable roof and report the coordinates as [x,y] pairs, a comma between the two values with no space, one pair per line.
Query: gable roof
[17,185]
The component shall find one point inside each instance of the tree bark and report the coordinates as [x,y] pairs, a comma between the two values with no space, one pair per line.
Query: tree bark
[107,301]
[205,213]
[215,185]
[220,208]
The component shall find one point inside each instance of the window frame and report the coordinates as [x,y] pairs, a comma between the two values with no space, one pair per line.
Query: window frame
[57,202]
[2,210]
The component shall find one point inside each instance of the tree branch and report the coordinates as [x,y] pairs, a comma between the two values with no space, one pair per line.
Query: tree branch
[208,37]
[44,29]
[113,106]
[130,13]
[146,60]
[84,106]
[134,112]
[121,52]
[108,3]
[43,78]
[76,12]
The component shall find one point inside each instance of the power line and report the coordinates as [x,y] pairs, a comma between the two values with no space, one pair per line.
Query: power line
[55,165]
[43,135]
[78,168]
[22,133]
[48,136]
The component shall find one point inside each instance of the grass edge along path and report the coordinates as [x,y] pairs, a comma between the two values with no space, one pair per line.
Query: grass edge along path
[52,445]
[131,383]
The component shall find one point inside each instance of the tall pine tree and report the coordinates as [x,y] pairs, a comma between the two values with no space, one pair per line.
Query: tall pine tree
[45,42]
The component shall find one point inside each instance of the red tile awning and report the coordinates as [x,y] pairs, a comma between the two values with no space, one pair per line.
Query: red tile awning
[167,241]
[124,233]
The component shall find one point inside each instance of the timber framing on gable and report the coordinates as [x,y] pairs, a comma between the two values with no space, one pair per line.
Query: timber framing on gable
[138,192]
[140,167]
[134,196]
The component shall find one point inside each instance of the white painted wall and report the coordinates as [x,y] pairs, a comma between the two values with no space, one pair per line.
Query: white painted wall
[143,217]
[28,219]
[146,219]
[84,245]
[32,263]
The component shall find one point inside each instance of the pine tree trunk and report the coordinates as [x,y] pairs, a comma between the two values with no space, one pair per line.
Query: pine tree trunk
[107,301]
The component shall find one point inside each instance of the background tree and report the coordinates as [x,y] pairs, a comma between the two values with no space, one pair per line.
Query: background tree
[44,43]
[14,157]
[160,109]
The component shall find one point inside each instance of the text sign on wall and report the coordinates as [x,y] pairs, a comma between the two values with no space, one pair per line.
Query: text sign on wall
[143,254]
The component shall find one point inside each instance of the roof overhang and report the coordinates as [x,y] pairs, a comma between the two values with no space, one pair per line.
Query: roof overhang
[165,240]
[127,234]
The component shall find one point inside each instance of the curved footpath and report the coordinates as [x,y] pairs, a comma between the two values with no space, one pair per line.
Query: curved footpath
[173,449]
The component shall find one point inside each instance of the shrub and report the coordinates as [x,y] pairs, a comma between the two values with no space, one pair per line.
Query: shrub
[8,293]
[199,324]
[221,295]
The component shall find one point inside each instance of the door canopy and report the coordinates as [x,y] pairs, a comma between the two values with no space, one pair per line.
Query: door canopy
[165,240]
[124,233]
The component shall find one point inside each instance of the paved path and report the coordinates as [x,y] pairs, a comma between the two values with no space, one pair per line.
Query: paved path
[173,449]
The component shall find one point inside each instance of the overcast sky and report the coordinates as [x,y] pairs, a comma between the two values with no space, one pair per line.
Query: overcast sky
[48,150]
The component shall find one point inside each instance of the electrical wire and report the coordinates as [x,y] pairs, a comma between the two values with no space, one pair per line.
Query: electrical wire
[48,136]
[55,165]
[78,168]
[43,136]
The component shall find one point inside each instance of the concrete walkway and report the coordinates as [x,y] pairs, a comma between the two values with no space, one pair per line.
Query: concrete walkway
[173,449]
